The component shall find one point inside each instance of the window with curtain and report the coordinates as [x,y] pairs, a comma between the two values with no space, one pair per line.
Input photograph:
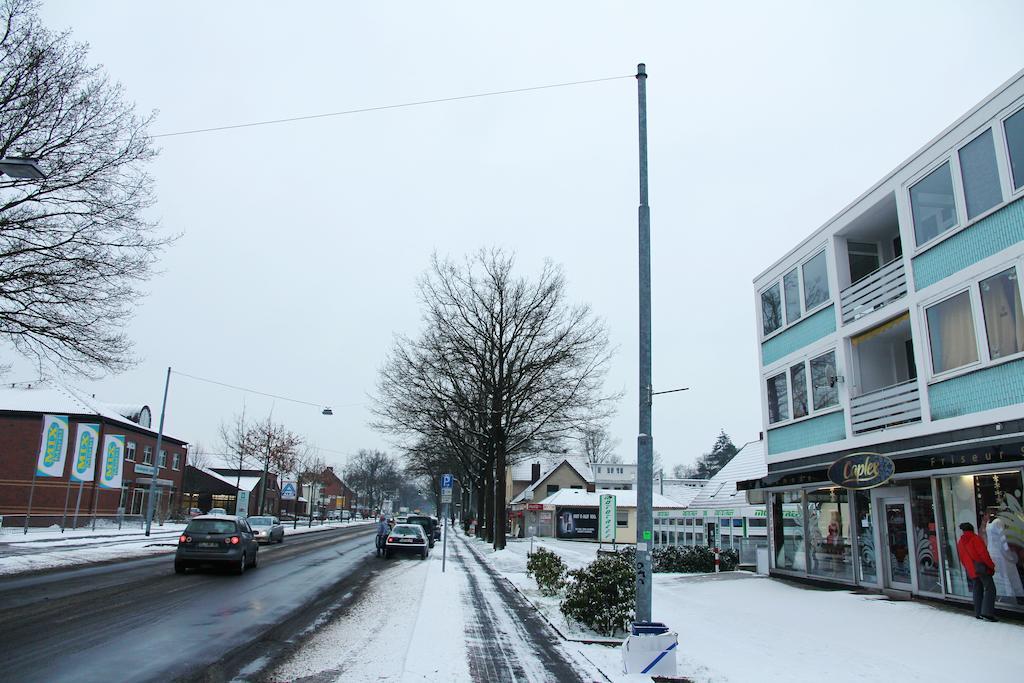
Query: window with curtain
[771,309]
[798,380]
[815,281]
[778,399]
[933,205]
[980,174]
[951,333]
[791,288]
[1004,323]
[1014,129]
[823,384]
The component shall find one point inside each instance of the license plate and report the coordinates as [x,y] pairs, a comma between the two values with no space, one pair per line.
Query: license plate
[207,545]
[405,540]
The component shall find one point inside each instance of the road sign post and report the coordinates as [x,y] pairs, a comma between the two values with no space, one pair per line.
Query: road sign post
[446,502]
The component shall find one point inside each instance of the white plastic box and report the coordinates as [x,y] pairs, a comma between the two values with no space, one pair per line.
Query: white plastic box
[650,649]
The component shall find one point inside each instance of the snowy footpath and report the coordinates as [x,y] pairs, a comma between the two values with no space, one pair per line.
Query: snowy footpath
[740,627]
[44,550]
[415,623]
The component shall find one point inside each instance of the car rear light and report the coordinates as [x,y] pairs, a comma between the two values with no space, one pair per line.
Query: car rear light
[184,539]
[235,540]
[392,539]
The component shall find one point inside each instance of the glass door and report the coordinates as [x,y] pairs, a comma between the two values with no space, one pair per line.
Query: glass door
[897,545]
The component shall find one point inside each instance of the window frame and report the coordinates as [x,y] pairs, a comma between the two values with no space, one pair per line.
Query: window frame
[161,459]
[787,371]
[129,451]
[779,281]
[176,461]
[973,287]
[999,171]
[147,455]
[1001,144]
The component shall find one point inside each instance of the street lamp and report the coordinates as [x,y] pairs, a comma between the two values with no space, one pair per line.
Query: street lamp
[21,167]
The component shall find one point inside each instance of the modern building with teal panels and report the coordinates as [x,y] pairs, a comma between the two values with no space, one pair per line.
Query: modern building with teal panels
[892,337]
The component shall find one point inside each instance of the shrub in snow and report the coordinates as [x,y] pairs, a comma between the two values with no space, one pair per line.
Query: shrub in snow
[692,559]
[548,570]
[602,595]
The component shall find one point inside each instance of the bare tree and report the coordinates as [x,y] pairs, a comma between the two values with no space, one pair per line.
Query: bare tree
[265,445]
[198,456]
[505,365]
[597,445]
[75,245]
[374,475]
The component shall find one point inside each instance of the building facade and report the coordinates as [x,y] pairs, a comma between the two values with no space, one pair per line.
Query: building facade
[22,411]
[896,329]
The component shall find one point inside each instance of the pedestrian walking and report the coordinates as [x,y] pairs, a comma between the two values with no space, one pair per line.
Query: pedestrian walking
[980,568]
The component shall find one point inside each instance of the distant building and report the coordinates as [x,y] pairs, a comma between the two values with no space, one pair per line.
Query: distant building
[619,476]
[22,410]
[218,487]
[336,493]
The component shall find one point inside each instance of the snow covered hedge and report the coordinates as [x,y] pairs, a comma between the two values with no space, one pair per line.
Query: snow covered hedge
[602,595]
[692,559]
[548,570]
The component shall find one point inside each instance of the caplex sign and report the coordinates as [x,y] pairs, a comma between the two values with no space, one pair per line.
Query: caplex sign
[861,470]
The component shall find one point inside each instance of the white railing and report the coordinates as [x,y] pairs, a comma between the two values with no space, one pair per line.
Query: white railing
[873,291]
[889,407]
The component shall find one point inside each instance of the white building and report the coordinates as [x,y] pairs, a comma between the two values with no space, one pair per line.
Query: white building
[896,329]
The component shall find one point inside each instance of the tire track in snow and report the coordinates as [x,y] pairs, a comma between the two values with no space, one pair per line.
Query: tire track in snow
[508,641]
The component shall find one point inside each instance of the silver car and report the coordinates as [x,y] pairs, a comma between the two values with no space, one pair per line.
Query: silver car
[267,529]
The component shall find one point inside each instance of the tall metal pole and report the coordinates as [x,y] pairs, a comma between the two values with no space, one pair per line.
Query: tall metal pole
[645,440]
[150,504]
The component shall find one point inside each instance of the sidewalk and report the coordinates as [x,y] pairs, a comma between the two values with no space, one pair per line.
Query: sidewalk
[415,623]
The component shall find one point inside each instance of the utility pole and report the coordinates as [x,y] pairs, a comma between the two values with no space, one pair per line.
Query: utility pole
[645,439]
[150,503]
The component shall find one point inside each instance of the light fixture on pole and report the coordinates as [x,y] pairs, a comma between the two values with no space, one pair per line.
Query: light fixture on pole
[23,168]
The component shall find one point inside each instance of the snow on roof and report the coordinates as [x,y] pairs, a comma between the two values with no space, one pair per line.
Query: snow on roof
[244,483]
[748,463]
[683,495]
[52,397]
[580,466]
[523,471]
[623,499]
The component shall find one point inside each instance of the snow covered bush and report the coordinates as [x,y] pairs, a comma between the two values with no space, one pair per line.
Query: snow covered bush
[692,559]
[548,570]
[602,595]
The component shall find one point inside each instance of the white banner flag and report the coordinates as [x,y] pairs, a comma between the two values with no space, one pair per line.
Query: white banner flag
[83,452]
[54,446]
[111,461]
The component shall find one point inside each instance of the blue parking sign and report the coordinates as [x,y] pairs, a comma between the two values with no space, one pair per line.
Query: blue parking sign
[446,481]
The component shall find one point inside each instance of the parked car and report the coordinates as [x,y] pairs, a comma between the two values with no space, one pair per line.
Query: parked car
[437,528]
[407,538]
[217,511]
[267,529]
[345,514]
[427,523]
[194,512]
[223,540]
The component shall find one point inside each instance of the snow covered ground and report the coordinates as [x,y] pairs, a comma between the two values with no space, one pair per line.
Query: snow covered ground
[50,549]
[737,626]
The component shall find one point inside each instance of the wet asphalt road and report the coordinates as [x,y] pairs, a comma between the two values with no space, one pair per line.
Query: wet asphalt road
[139,621]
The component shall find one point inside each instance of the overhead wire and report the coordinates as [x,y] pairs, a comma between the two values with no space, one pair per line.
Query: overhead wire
[384,107]
[260,393]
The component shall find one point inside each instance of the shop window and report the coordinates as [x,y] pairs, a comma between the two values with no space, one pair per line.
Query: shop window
[757,522]
[980,175]
[933,205]
[866,561]
[828,527]
[788,530]
[926,541]
[621,519]
[951,333]
[1004,322]
[993,504]
[1014,129]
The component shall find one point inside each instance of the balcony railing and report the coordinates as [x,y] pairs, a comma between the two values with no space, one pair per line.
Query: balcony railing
[892,406]
[873,291]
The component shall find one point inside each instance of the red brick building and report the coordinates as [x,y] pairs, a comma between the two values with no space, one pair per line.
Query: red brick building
[335,488]
[22,410]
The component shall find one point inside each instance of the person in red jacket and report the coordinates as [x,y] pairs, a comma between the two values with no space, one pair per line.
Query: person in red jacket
[980,568]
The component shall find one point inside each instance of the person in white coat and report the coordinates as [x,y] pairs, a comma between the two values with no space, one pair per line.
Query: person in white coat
[1007,579]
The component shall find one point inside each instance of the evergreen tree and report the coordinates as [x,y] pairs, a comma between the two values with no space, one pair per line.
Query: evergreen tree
[721,453]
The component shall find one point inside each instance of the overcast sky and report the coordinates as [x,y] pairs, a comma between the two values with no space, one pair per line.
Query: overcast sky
[302,242]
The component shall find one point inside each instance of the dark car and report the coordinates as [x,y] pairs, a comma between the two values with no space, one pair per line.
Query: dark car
[222,540]
[267,529]
[407,538]
[429,525]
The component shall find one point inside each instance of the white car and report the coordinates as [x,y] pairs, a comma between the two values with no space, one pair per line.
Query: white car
[217,511]
[407,538]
